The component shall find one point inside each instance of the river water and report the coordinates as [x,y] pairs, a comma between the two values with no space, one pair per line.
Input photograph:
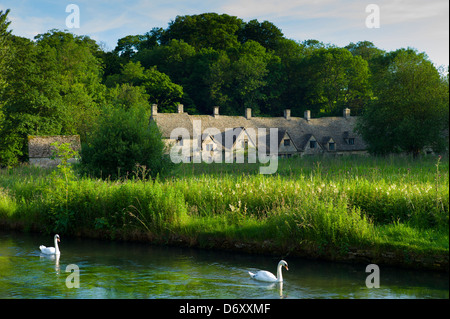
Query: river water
[105,269]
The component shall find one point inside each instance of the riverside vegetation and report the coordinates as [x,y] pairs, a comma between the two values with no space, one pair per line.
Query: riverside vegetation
[374,209]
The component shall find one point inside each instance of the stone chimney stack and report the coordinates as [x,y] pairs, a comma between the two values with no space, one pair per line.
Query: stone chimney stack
[248,113]
[154,109]
[180,108]
[307,115]
[346,113]
[216,111]
[287,114]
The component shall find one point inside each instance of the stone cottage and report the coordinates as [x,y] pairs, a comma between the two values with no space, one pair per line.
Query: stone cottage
[40,149]
[295,135]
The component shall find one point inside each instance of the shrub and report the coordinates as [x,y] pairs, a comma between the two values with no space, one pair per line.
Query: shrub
[123,141]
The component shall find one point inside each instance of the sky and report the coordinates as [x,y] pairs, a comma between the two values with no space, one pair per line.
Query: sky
[423,25]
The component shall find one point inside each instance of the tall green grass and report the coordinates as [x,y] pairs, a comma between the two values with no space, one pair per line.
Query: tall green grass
[314,202]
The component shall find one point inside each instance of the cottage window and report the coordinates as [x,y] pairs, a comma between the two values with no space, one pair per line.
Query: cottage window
[312,144]
[209,147]
[287,142]
[351,141]
[331,146]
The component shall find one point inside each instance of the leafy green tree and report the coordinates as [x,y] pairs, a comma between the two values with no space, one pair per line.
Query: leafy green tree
[79,75]
[333,79]
[32,103]
[284,90]
[5,36]
[172,59]
[4,47]
[239,77]
[128,96]
[123,141]
[129,45]
[265,33]
[158,86]
[410,108]
[365,49]
[204,30]
[54,87]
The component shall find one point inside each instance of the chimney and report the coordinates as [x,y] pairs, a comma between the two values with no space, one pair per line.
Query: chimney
[346,113]
[248,113]
[180,108]
[287,114]
[154,109]
[307,115]
[216,111]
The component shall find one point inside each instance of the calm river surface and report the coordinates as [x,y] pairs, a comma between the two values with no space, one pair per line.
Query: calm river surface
[136,270]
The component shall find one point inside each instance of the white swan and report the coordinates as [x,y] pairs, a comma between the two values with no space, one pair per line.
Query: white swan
[264,275]
[51,250]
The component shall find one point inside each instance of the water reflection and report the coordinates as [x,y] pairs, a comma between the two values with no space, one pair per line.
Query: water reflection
[127,270]
[54,258]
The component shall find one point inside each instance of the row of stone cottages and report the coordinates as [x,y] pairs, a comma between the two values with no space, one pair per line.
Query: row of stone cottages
[295,136]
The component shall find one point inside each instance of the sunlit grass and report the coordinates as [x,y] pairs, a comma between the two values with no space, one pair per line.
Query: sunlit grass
[395,202]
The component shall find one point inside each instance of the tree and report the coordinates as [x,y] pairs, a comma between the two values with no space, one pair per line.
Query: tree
[204,30]
[333,79]
[122,140]
[32,103]
[172,59]
[4,48]
[365,49]
[265,33]
[128,46]
[239,76]
[158,86]
[54,87]
[78,70]
[410,108]
[4,57]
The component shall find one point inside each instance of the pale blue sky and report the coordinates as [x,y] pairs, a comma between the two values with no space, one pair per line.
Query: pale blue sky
[423,25]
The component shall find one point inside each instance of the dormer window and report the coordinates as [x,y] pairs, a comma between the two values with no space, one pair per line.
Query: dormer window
[331,146]
[287,142]
[312,144]
[350,140]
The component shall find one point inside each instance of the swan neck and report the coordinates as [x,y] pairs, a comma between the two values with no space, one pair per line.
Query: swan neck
[279,275]
[56,245]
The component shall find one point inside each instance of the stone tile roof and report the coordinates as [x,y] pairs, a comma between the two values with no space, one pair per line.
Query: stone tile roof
[39,146]
[339,129]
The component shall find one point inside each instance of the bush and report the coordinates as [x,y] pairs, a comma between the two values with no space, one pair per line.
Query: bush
[122,143]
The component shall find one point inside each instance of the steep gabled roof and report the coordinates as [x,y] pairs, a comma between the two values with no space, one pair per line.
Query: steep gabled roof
[300,130]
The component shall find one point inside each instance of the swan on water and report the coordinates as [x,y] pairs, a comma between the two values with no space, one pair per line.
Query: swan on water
[51,250]
[264,275]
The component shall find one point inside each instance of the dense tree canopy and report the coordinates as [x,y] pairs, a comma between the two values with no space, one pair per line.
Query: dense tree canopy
[62,83]
[411,108]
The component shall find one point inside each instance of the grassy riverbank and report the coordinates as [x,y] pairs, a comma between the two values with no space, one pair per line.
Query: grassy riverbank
[387,210]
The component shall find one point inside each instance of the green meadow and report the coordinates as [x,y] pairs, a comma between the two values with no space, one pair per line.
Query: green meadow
[379,209]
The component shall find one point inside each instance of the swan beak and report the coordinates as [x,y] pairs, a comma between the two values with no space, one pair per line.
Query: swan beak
[58,239]
[286,267]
